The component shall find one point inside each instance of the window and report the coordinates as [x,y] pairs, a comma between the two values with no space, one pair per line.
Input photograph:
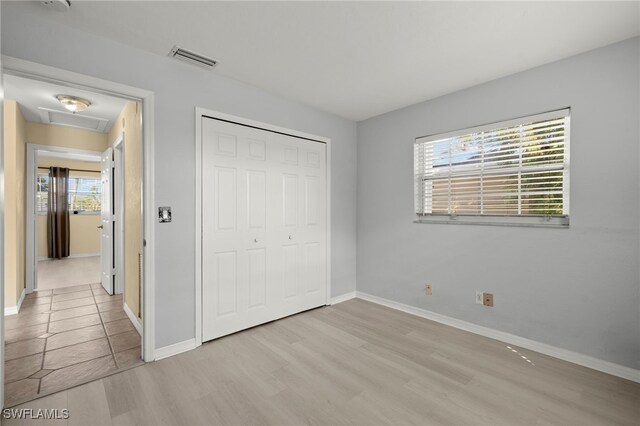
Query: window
[84,193]
[512,172]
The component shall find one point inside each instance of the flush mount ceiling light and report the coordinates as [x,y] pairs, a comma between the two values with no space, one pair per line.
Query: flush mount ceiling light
[73,103]
[59,5]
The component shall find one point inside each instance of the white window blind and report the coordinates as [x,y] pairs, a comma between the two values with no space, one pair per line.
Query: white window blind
[510,172]
[84,194]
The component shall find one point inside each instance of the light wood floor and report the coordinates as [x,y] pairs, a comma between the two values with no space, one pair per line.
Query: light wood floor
[353,363]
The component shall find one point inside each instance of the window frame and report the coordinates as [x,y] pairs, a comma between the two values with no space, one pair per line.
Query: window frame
[71,211]
[546,221]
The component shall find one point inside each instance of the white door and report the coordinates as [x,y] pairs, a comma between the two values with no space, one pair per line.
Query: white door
[106,221]
[263,226]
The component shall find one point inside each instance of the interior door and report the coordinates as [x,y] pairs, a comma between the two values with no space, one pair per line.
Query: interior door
[263,226]
[106,221]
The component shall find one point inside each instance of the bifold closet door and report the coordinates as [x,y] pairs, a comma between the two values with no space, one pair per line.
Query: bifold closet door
[263,226]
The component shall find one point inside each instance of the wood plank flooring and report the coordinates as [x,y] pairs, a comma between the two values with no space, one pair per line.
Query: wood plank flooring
[354,363]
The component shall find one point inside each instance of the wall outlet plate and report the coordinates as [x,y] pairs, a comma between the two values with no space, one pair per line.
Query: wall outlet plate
[488,299]
[479,298]
[164,214]
[428,290]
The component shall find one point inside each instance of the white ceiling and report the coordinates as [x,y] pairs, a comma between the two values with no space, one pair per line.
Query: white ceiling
[36,97]
[360,59]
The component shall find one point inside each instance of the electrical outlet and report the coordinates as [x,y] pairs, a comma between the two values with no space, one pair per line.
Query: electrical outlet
[428,290]
[488,299]
[479,298]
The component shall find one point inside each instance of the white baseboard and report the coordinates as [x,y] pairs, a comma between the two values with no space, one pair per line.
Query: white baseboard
[563,354]
[175,349]
[343,297]
[13,310]
[73,256]
[132,317]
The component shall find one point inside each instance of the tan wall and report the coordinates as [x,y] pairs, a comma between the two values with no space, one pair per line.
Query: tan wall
[85,235]
[46,134]
[129,122]
[15,201]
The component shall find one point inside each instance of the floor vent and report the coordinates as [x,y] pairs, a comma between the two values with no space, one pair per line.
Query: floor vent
[193,58]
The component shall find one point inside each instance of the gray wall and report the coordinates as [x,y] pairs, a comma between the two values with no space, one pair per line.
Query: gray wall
[575,288]
[179,88]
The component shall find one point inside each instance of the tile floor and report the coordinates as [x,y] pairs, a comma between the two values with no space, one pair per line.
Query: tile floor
[68,272]
[64,337]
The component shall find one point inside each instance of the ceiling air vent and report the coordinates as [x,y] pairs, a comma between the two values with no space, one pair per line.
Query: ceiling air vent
[64,118]
[193,58]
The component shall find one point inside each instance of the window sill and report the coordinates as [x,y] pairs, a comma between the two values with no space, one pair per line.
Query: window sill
[524,221]
[75,214]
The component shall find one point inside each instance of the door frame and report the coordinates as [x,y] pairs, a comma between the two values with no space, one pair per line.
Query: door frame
[118,191]
[201,113]
[35,71]
[31,244]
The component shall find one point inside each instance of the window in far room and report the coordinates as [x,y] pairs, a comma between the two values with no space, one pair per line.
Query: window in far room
[84,194]
[513,172]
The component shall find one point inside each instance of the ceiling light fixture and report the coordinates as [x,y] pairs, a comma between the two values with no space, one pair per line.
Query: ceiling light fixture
[73,103]
[59,5]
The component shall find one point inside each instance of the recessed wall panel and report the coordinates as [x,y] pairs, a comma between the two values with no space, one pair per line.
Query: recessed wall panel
[312,199]
[226,198]
[257,198]
[227,145]
[314,267]
[227,282]
[290,200]
[290,274]
[313,159]
[257,277]
[257,149]
[290,154]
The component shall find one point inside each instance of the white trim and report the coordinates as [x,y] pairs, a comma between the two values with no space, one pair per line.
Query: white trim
[198,223]
[175,349]
[132,317]
[543,348]
[549,115]
[72,256]
[13,310]
[33,151]
[203,112]
[31,265]
[118,188]
[149,239]
[258,124]
[2,248]
[343,298]
[328,224]
[32,70]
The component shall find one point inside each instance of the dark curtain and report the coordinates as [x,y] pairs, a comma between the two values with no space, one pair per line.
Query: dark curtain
[58,213]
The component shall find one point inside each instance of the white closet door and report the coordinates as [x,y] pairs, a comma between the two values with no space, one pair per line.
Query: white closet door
[263,226]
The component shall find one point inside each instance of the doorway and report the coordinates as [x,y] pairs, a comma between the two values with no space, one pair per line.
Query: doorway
[82,265]
[78,316]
